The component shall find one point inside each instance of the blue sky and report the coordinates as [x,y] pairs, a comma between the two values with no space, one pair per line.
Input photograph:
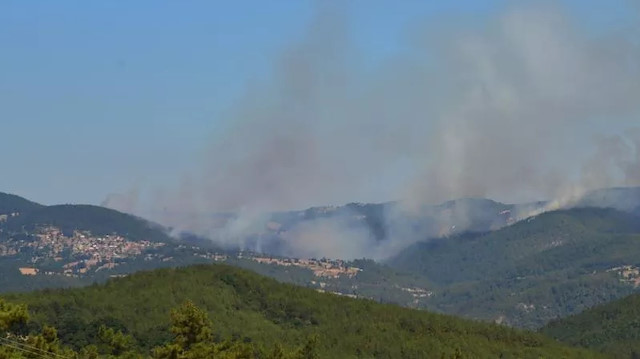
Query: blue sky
[98,96]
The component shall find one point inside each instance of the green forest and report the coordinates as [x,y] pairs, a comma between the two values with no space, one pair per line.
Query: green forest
[612,328]
[209,311]
[553,265]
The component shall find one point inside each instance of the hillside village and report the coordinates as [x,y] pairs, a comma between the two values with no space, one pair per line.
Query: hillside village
[82,253]
[76,254]
[49,251]
[320,267]
[628,274]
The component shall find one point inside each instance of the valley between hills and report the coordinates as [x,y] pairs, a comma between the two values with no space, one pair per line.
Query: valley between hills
[524,274]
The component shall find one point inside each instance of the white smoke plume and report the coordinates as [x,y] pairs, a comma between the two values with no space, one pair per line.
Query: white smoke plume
[506,109]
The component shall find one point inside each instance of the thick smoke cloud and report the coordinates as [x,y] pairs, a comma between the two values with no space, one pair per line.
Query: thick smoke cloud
[528,105]
[531,87]
[616,161]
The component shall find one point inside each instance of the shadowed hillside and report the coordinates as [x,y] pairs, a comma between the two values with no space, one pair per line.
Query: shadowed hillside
[613,328]
[555,264]
[10,203]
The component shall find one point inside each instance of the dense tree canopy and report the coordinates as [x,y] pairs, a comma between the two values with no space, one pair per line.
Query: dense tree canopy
[542,268]
[613,328]
[254,316]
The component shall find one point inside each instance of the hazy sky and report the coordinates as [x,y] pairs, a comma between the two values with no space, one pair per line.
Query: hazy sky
[99,97]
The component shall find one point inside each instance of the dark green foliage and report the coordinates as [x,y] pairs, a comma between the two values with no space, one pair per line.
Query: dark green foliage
[12,315]
[262,313]
[115,342]
[11,279]
[192,340]
[536,270]
[190,325]
[534,246]
[613,328]
[376,281]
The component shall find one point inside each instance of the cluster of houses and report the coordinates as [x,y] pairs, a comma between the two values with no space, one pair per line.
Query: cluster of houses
[628,273]
[319,267]
[82,251]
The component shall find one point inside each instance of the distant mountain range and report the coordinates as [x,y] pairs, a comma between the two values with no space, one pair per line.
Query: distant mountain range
[382,229]
[75,245]
[390,227]
[468,257]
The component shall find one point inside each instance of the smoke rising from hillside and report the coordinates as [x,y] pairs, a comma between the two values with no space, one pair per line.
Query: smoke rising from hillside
[526,105]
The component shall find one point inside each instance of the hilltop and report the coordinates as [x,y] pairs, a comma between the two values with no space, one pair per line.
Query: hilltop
[556,264]
[383,223]
[12,204]
[60,245]
[255,309]
[18,214]
[97,220]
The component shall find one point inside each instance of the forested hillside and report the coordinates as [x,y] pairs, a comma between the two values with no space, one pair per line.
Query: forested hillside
[11,204]
[556,264]
[613,328]
[72,245]
[253,309]
[523,275]
[97,220]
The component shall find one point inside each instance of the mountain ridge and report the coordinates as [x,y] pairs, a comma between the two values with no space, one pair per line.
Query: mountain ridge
[467,273]
[11,203]
[550,265]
